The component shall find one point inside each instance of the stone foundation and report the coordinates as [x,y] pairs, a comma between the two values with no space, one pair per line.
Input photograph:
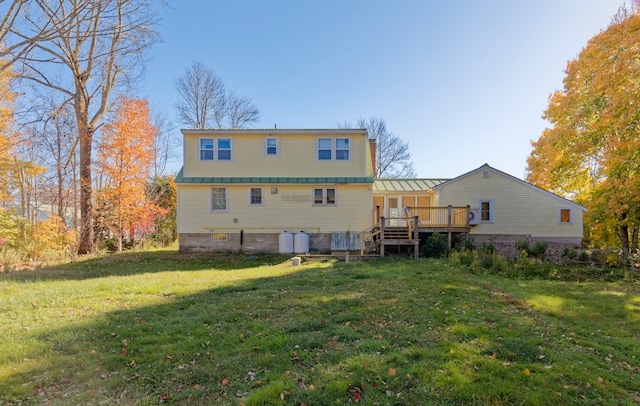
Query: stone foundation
[251,242]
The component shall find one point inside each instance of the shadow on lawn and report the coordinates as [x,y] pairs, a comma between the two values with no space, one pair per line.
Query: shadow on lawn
[132,263]
[183,350]
[280,335]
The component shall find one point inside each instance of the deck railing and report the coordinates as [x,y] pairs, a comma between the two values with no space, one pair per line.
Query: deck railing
[447,216]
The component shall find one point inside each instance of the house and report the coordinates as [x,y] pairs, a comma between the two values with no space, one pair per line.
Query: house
[240,190]
[510,209]
[486,204]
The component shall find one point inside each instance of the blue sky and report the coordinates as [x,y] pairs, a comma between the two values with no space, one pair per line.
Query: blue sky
[463,82]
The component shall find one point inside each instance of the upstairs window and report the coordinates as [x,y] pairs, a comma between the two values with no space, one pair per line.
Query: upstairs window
[215,149]
[224,149]
[342,149]
[334,149]
[206,149]
[324,149]
[271,146]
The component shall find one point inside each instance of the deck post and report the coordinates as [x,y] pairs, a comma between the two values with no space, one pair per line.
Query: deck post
[468,215]
[378,214]
[449,215]
[382,236]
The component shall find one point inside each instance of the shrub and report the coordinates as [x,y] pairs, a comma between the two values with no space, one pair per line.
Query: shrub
[521,246]
[538,250]
[584,256]
[612,259]
[596,256]
[488,248]
[493,263]
[463,257]
[569,252]
[436,246]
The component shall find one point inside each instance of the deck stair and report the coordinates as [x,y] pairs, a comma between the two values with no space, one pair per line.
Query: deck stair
[370,240]
[404,232]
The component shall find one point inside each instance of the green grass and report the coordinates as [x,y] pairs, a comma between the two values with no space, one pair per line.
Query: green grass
[162,327]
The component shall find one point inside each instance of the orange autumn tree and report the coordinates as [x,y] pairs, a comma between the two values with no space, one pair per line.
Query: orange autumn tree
[125,160]
[591,151]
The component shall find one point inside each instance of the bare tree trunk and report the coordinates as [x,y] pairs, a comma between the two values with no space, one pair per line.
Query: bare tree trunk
[85,245]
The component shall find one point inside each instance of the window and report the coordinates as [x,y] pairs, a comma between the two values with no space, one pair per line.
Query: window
[271,146]
[218,199]
[224,149]
[334,149]
[324,197]
[256,196]
[564,215]
[324,149]
[486,210]
[215,149]
[342,149]
[206,149]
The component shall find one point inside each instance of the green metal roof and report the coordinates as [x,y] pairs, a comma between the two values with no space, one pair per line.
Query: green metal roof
[405,185]
[180,178]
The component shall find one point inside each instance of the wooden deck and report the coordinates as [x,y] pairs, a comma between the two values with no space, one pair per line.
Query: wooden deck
[405,231]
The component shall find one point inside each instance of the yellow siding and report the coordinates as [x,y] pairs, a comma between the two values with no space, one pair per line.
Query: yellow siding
[518,208]
[290,209]
[297,156]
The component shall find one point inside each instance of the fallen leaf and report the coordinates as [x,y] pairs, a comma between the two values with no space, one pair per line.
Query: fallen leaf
[196,386]
[526,372]
[225,381]
[391,372]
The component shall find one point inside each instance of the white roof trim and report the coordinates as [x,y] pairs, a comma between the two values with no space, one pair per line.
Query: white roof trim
[273,131]
[522,182]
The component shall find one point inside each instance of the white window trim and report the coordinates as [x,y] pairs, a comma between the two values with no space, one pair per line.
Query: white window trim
[261,197]
[226,198]
[491,210]
[324,196]
[266,146]
[334,149]
[215,149]
[560,215]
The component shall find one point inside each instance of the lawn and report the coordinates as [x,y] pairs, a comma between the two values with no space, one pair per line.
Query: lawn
[164,327]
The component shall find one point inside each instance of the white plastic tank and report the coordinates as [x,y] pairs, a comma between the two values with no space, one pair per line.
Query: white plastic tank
[285,242]
[301,243]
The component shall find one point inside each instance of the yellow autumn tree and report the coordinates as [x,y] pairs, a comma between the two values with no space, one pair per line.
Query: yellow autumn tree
[591,151]
[125,159]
